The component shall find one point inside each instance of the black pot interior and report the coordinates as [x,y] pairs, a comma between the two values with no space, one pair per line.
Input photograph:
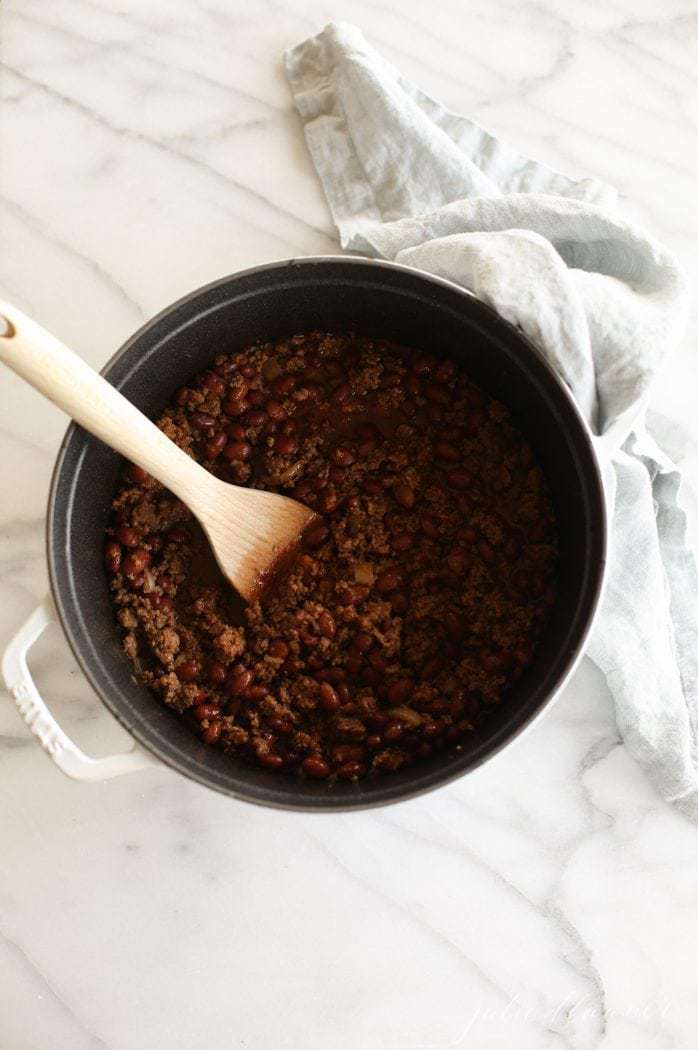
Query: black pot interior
[272,302]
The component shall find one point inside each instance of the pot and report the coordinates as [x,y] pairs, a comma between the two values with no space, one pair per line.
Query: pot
[269,302]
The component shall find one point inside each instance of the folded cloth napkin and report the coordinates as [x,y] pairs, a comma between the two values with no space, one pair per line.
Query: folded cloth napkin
[407,180]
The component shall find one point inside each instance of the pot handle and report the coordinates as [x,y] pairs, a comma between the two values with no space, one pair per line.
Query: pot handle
[67,756]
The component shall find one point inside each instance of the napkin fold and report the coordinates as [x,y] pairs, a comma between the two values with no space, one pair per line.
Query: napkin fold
[407,180]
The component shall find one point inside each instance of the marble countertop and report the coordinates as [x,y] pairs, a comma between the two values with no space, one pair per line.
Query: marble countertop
[549,900]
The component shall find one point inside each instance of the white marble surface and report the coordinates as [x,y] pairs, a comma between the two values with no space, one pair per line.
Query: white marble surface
[550,900]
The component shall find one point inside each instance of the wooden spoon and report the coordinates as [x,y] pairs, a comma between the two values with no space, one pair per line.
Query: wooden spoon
[251,532]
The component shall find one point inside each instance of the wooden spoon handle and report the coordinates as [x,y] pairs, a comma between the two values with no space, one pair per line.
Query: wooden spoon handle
[59,374]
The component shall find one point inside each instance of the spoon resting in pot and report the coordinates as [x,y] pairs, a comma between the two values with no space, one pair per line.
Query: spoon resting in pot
[252,533]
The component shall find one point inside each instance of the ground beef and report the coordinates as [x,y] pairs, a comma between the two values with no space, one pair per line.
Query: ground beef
[420,595]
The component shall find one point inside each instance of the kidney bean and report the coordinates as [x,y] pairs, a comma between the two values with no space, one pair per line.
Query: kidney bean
[187,670]
[326,625]
[413,385]
[487,553]
[459,479]
[238,682]
[429,527]
[474,396]
[112,557]
[466,503]
[202,711]
[363,642]
[403,542]
[352,595]
[445,371]
[342,394]
[369,676]
[136,562]
[455,625]
[213,734]
[284,385]
[400,691]
[374,741]
[354,663]
[215,445]
[404,495]
[214,384]
[312,393]
[256,692]
[235,406]
[328,502]
[278,649]
[315,767]
[270,760]
[202,421]
[275,410]
[127,536]
[437,394]
[281,725]
[377,661]
[474,422]
[285,445]
[303,490]
[233,705]
[429,729]
[348,753]
[456,560]
[328,698]
[343,692]
[137,475]
[237,450]
[351,771]
[342,456]
[315,537]
[394,731]
[447,452]
[177,534]
[494,660]
[217,673]
[388,580]
[154,542]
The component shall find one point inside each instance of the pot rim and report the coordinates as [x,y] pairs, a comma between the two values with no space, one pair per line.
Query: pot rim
[434,778]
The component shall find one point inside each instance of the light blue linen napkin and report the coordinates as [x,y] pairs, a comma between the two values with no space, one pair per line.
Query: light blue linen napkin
[407,180]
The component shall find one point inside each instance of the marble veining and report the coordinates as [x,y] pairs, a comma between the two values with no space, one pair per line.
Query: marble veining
[550,900]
